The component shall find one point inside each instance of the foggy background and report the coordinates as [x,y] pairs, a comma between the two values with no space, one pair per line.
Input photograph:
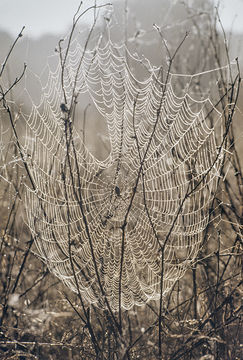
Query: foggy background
[54,17]
[46,22]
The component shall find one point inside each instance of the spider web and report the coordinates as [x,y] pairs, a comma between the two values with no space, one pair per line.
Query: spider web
[105,222]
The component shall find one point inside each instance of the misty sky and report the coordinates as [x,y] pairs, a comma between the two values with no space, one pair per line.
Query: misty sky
[54,16]
[39,16]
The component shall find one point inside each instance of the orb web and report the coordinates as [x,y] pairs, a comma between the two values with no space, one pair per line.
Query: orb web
[87,214]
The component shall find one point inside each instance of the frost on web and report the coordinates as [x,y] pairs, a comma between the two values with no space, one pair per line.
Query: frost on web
[88,214]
